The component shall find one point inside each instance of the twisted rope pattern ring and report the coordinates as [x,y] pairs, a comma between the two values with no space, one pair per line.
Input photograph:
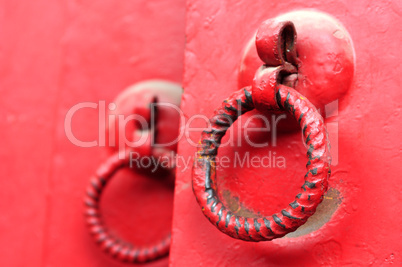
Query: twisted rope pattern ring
[316,178]
[114,246]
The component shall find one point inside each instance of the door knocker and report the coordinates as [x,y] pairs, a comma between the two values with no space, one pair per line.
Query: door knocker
[136,100]
[274,88]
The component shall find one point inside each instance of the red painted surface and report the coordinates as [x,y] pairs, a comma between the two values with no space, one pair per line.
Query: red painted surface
[364,226]
[325,58]
[53,55]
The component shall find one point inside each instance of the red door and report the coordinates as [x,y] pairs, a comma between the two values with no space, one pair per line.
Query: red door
[55,55]
[357,224]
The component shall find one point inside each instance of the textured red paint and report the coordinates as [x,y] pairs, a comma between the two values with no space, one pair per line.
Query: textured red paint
[53,55]
[365,229]
[325,57]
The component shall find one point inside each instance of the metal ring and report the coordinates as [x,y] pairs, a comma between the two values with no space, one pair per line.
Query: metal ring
[316,178]
[122,250]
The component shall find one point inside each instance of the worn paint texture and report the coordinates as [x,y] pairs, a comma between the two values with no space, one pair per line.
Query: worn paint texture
[358,222]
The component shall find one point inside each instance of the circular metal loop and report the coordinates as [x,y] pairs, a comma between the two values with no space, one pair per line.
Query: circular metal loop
[316,178]
[112,245]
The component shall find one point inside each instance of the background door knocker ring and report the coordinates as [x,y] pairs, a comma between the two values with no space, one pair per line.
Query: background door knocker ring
[140,99]
[114,246]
